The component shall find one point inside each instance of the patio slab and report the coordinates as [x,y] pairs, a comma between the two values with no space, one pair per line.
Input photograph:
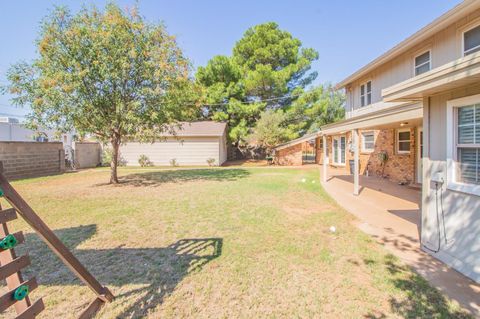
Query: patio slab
[391,214]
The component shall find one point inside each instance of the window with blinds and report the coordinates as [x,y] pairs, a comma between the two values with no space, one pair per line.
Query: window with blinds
[368,141]
[468,144]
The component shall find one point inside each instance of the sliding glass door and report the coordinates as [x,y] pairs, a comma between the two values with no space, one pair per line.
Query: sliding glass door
[338,147]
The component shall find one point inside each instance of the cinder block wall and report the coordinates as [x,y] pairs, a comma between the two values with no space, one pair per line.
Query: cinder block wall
[32,159]
[87,154]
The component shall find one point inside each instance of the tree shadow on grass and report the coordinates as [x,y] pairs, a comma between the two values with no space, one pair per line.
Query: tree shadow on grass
[157,270]
[421,300]
[156,178]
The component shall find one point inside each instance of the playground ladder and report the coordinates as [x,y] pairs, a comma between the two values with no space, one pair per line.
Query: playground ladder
[18,293]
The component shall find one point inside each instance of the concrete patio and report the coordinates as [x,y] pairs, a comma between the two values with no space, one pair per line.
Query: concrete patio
[391,214]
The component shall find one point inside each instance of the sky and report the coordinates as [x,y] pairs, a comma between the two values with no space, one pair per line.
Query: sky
[347,33]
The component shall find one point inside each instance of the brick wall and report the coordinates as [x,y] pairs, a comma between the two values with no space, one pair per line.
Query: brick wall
[399,167]
[32,159]
[87,154]
[289,156]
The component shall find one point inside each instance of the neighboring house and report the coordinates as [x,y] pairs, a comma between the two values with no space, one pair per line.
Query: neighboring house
[11,130]
[192,144]
[420,103]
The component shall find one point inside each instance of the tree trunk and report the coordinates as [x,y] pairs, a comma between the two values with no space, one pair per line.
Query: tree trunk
[114,163]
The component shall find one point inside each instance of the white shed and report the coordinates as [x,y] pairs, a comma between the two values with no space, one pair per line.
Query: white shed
[193,144]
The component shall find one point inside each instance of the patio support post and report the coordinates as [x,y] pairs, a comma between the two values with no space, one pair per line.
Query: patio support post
[356,155]
[325,158]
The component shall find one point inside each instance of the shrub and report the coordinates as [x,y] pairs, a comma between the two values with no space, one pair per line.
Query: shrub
[173,162]
[144,161]
[107,154]
[211,162]
[383,158]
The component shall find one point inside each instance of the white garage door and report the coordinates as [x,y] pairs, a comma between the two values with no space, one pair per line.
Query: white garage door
[188,151]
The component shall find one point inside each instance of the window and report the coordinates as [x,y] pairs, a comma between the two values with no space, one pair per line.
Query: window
[368,141]
[422,63]
[403,141]
[338,149]
[468,144]
[463,145]
[366,93]
[471,41]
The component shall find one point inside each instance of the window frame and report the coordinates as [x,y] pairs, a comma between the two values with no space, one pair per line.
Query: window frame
[363,148]
[397,140]
[417,66]
[365,95]
[465,30]
[452,145]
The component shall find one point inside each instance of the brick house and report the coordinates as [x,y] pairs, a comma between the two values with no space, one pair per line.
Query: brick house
[402,166]
[419,103]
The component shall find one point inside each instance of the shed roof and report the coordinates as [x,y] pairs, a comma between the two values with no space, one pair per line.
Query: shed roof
[201,128]
[304,138]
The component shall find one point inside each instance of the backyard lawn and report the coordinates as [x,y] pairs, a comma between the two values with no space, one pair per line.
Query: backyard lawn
[216,243]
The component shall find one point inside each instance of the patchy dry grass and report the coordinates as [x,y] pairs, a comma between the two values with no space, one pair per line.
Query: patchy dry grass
[216,243]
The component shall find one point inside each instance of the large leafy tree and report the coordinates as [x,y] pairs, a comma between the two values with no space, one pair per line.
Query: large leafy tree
[274,62]
[311,110]
[107,73]
[267,69]
[315,108]
[270,130]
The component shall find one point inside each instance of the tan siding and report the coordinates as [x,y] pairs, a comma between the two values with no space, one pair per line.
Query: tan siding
[445,47]
[461,211]
[223,149]
[188,151]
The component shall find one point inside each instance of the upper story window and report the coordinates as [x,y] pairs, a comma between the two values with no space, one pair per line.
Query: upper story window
[471,41]
[422,63]
[366,93]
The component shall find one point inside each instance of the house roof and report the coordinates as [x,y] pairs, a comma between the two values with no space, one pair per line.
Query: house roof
[201,128]
[396,114]
[426,32]
[304,138]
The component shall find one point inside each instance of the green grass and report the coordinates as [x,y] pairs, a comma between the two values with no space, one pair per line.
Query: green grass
[216,243]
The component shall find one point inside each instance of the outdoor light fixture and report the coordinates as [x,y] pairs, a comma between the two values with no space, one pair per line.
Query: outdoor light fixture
[403,124]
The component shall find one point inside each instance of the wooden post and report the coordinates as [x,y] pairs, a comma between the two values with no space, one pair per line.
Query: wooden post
[356,160]
[51,239]
[325,158]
